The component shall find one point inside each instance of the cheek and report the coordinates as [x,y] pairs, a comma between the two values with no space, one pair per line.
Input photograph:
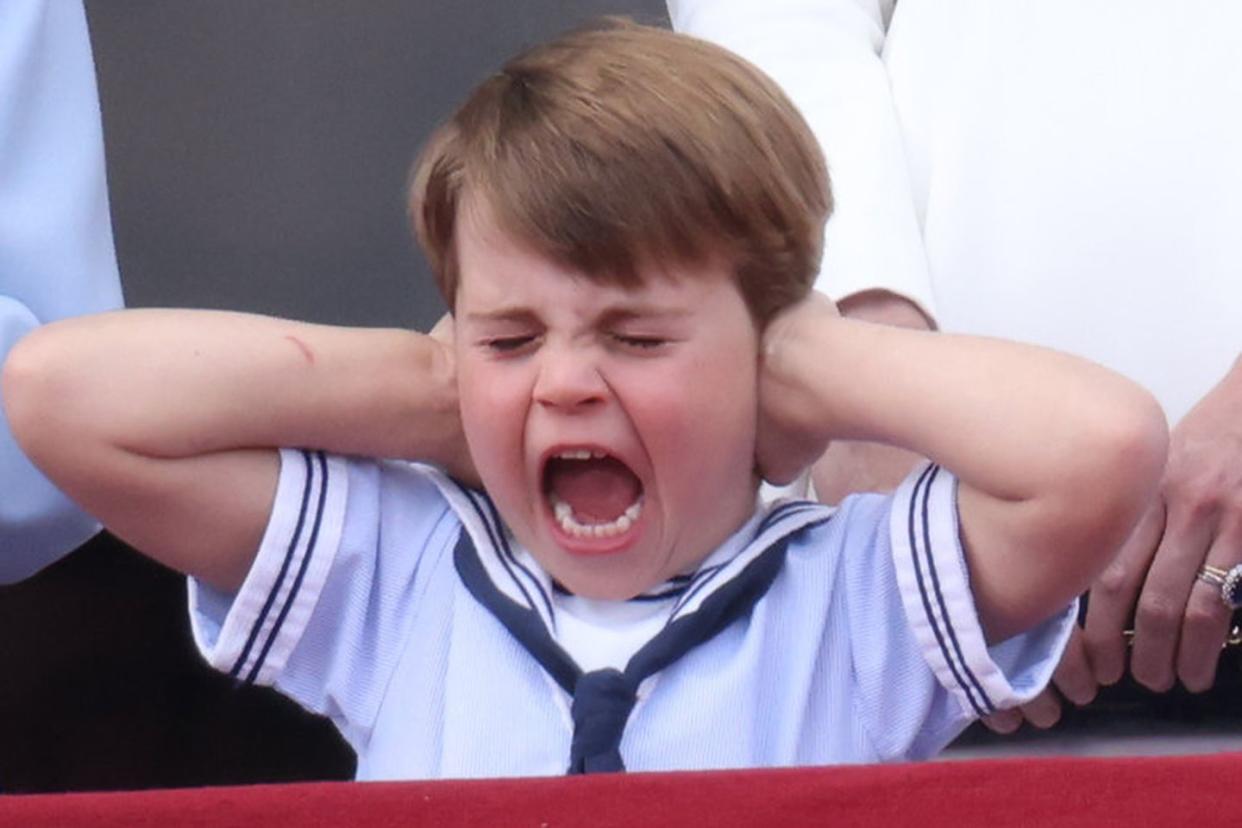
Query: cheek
[493,411]
[730,405]
[729,413]
[726,378]
[706,411]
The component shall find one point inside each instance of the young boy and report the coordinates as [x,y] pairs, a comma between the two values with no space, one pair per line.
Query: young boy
[625,223]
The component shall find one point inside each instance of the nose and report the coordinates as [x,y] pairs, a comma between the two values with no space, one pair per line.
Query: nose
[569,378]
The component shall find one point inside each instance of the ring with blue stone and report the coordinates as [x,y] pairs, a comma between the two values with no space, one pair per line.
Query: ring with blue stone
[1229,581]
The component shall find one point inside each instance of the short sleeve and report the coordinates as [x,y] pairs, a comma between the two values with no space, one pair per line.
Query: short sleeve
[935,590]
[329,601]
[921,664]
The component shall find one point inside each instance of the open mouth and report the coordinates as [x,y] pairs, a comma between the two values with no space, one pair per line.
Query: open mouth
[592,494]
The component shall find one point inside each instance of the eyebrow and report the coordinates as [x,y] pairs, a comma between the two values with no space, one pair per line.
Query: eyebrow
[620,314]
[519,315]
[609,316]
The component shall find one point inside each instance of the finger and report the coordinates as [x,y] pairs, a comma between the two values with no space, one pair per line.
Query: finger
[1074,677]
[1111,603]
[1162,603]
[1004,722]
[1044,710]
[1207,617]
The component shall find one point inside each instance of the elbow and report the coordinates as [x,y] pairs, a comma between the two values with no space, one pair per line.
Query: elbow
[32,396]
[1126,464]
[1139,449]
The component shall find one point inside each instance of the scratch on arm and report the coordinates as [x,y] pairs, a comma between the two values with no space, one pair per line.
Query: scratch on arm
[303,347]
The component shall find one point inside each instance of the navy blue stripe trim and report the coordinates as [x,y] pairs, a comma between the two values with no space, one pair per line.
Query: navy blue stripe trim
[927,608]
[297,581]
[671,589]
[280,576]
[523,623]
[789,515]
[778,514]
[702,578]
[782,511]
[944,609]
[671,592]
[507,551]
[494,534]
[731,601]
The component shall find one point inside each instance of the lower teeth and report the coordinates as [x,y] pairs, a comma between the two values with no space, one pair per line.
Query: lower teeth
[565,517]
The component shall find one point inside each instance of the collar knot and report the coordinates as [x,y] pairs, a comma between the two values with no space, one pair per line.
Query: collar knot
[602,703]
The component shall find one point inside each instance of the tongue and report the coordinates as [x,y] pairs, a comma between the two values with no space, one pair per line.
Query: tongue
[597,490]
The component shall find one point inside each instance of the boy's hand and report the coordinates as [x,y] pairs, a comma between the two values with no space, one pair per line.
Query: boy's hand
[790,435]
[851,466]
[459,465]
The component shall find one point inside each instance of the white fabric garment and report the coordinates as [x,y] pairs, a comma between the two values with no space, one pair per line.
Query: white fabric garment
[1073,167]
[600,634]
[56,253]
[865,648]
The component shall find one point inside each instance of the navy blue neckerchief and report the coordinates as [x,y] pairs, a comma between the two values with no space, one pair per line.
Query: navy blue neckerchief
[510,585]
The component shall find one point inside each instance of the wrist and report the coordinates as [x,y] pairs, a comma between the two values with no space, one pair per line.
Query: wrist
[795,347]
[436,427]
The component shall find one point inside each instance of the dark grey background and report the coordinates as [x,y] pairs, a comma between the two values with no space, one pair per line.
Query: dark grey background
[257,151]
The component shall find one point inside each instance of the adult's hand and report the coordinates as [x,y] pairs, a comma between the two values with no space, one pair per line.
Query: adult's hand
[1180,622]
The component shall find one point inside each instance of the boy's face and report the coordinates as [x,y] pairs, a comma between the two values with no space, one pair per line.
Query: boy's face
[614,428]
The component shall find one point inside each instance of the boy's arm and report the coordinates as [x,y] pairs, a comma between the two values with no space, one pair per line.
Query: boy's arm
[1056,456]
[850,466]
[164,423]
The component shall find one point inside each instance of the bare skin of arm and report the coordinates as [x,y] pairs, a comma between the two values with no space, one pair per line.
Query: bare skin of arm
[1180,622]
[163,423]
[850,466]
[1047,491]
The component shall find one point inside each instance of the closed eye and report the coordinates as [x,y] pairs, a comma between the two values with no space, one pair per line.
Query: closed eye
[507,344]
[642,343]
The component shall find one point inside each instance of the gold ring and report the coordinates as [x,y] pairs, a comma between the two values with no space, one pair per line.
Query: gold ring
[1233,639]
[1229,581]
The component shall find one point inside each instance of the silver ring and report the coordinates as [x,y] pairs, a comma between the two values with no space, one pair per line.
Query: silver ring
[1229,581]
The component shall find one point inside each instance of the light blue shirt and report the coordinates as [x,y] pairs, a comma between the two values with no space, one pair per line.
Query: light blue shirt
[866,647]
[56,252]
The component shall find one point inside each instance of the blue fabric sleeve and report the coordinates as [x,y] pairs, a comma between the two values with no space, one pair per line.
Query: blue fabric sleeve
[335,587]
[922,681]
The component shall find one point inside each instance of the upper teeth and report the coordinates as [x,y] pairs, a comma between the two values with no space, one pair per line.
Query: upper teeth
[580,454]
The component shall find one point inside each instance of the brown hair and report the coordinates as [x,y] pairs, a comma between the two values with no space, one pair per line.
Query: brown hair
[622,144]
